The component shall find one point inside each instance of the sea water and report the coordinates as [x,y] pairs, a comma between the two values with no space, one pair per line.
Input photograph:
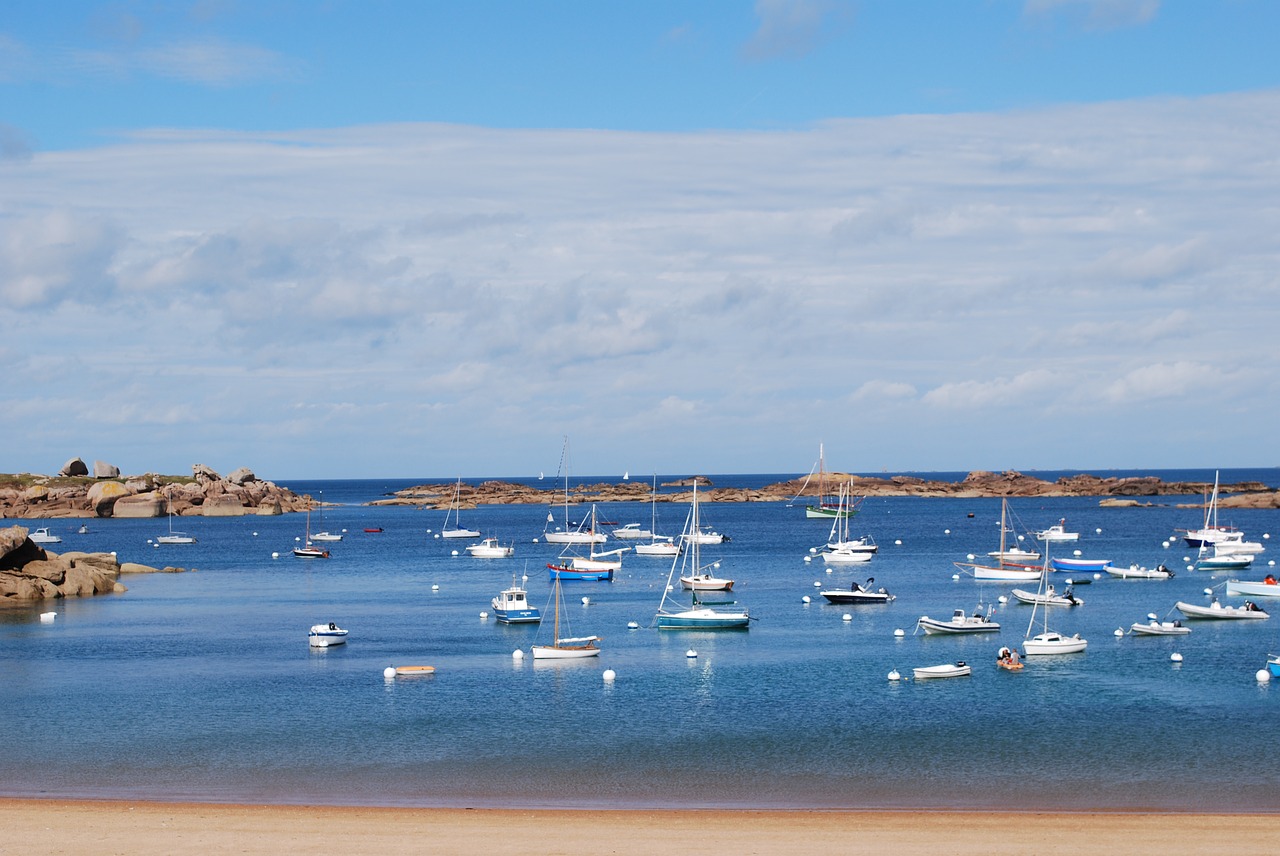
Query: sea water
[201,685]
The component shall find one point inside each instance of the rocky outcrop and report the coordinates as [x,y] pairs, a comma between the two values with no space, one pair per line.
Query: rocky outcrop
[103,470]
[147,495]
[28,572]
[74,467]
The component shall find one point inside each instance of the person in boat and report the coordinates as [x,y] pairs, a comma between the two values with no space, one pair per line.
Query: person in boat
[1270,580]
[1251,606]
[1070,595]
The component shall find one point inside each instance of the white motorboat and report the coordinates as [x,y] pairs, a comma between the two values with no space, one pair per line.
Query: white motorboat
[1265,588]
[1216,611]
[511,606]
[455,506]
[1153,626]
[1048,597]
[960,622]
[1232,543]
[858,594]
[1134,572]
[706,582]
[631,532]
[489,548]
[704,536]
[326,536]
[43,536]
[326,635]
[946,670]
[1057,532]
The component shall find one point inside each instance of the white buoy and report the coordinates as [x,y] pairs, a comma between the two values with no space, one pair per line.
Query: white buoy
[955,576]
[435,587]
[1003,599]
[255,534]
[1165,545]
[633,625]
[691,654]
[155,545]
[808,558]
[1272,563]
[517,655]
[609,675]
[586,601]
[1175,657]
[971,557]
[1262,676]
[1075,552]
[1119,632]
[895,676]
[535,540]
[484,614]
[829,571]
[898,542]
[1021,537]
[715,565]
[946,531]
[1266,536]
[846,617]
[47,617]
[454,553]
[817,583]
[296,538]
[524,578]
[275,555]
[1098,530]
[813,550]
[899,633]
[1097,576]
[1186,558]
[389,672]
[437,535]
[1208,592]
[805,599]
[343,529]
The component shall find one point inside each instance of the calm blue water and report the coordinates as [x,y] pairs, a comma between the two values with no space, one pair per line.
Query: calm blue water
[201,685]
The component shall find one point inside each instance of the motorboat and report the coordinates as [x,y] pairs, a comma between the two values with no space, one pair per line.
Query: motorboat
[960,622]
[1068,564]
[704,536]
[1215,610]
[43,536]
[1057,532]
[857,593]
[326,635]
[1153,626]
[1232,542]
[1048,597]
[1273,665]
[1015,555]
[958,669]
[489,548]
[511,606]
[631,532]
[1134,572]
[326,536]
[1265,588]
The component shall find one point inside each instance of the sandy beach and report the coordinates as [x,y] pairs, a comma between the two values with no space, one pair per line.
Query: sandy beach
[128,827]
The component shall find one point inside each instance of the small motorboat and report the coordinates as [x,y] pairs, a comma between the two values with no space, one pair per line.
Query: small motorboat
[1135,572]
[1048,597]
[1153,626]
[1268,587]
[83,530]
[326,536]
[960,622]
[511,606]
[631,532]
[373,529]
[1215,610]
[489,548]
[1273,665]
[858,594]
[326,635]
[43,536]
[1058,532]
[958,669]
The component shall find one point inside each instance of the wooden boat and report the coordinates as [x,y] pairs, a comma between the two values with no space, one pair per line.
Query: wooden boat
[565,647]
[958,669]
[1066,564]
[413,671]
[858,594]
[960,622]
[1216,611]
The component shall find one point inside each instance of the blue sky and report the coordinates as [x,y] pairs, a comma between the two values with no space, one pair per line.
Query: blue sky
[428,239]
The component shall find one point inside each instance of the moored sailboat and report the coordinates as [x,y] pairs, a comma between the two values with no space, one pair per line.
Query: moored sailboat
[565,647]
[698,616]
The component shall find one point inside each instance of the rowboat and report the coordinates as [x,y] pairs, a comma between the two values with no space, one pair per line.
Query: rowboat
[410,671]
[958,669]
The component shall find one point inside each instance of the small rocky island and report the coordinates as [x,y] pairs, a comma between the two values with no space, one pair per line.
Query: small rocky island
[28,572]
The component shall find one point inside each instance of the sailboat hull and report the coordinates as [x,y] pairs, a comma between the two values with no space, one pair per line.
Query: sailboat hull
[704,619]
[1053,643]
[551,652]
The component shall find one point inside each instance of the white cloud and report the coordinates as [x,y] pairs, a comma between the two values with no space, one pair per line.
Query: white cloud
[1099,14]
[1183,381]
[1015,392]
[883,390]
[792,28]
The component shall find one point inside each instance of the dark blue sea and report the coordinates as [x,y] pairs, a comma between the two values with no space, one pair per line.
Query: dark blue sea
[201,686]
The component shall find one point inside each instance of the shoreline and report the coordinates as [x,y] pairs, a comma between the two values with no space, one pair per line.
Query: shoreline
[58,825]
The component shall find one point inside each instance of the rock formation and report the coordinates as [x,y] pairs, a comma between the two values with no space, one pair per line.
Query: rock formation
[103,470]
[74,467]
[28,572]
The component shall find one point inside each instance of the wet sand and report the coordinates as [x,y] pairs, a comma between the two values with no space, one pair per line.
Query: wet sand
[128,827]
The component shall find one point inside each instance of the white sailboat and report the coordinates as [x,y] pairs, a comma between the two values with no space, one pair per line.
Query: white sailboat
[308,550]
[659,545]
[174,537]
[699,615]
[824,508]
[324,534]
[1048,641]
[454,511]
[840,548]
[581,534]
[565,647]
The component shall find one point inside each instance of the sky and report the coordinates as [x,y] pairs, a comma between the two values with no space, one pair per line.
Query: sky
[435,239]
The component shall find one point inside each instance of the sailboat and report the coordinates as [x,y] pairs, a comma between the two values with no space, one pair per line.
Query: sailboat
[1048,641]
[309,550]
[1209,532]
[659,545]
[699,616]
[840,548]
[174,537]
[594,566]
[825,508]
[1004,568]
[325,535]
[565,648]
[567,535]
[454,508]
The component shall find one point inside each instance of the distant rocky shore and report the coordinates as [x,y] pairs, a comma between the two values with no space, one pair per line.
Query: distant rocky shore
[28,572]
[1115,491]
[74,493]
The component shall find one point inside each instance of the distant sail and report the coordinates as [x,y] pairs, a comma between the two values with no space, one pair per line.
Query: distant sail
[626,475]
